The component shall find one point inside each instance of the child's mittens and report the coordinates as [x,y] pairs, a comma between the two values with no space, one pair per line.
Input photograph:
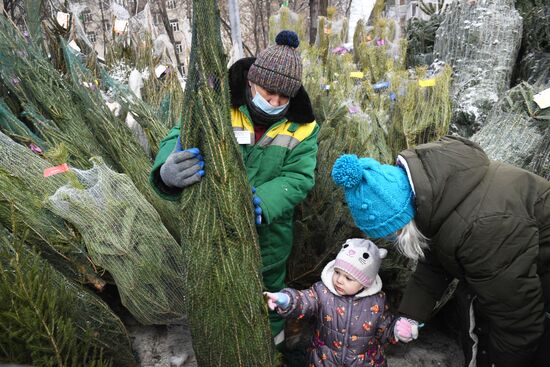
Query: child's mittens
[405,330]
[278,299]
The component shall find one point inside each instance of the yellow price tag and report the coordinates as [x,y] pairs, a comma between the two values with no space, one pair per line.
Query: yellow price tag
[426,82]
[356,74]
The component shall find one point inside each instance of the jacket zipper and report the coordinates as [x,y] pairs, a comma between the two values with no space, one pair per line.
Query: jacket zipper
[256,144]
[348,322]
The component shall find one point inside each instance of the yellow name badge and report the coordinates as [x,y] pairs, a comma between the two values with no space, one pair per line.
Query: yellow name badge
[356,74]
[426,83]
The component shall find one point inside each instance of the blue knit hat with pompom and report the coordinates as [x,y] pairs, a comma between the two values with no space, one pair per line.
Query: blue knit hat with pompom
[278,68]
[379,196]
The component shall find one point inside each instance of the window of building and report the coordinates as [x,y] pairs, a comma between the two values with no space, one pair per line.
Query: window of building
[171,4]
[175,25]
[106,25]
[157,18]
[179,48]
[86,16]
[91,37]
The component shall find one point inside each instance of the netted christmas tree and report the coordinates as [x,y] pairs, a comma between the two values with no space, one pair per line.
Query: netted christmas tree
[227,313]
[481,41]
[23,188]
[63,118]
[517,131]
[128,239]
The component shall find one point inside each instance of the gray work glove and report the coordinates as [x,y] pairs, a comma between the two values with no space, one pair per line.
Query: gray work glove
[182,168]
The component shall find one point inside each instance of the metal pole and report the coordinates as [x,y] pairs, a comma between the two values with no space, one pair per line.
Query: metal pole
[235,22]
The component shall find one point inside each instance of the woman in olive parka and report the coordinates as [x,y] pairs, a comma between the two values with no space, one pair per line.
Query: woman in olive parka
[464,216]
[275,128]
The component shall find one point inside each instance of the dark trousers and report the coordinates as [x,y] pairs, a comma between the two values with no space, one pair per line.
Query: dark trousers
[542,358]
[473,333]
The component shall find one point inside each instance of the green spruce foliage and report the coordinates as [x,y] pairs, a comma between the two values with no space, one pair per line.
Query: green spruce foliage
[46,320]
[227,313]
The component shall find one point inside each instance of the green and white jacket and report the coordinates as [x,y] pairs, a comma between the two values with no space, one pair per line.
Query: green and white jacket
[280,166]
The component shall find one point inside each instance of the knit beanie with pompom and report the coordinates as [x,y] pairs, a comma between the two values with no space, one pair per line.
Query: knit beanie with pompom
[278,68]
[379,196]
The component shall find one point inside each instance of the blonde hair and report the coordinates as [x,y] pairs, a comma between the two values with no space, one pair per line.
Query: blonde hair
[410,242]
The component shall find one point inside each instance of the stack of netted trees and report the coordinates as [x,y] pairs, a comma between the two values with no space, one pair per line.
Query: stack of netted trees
[98,222]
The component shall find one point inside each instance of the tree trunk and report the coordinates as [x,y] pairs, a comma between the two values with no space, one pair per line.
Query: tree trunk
[236,38]
[169,32]
[317,8]
[103,30]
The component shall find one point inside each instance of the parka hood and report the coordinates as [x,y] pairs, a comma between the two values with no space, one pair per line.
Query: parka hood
[299,111]
[443,174]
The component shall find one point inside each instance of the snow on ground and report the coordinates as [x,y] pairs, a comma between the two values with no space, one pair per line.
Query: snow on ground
[163,346]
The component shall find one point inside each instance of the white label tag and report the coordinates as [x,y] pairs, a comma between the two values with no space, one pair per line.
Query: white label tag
[63,19]
[243,137]
[121,26]
[543,99]
[74,46]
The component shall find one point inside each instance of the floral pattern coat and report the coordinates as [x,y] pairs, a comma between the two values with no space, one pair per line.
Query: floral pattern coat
[351,331]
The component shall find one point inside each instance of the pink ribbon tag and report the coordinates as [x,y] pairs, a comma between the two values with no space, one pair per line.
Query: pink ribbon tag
[55,170]
[35,148]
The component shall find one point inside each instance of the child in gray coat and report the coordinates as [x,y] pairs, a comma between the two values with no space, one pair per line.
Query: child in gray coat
[353,322]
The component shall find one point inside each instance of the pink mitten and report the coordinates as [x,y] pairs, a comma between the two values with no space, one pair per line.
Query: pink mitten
[278,299]
[405,330]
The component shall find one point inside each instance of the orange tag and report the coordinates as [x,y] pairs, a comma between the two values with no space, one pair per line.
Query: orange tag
[55,170]
[328,30]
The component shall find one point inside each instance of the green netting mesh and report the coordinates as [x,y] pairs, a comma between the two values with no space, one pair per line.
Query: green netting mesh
[116,138]
[227,314]
[125,235]
[47,320]
[22,191]
[517,131]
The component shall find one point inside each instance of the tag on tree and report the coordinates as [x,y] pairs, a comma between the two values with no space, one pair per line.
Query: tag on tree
[542,99]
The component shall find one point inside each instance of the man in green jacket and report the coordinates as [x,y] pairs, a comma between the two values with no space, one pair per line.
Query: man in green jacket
[466,217]
[274,125]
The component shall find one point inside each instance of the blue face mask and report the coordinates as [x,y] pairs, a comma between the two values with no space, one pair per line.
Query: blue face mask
[265,106]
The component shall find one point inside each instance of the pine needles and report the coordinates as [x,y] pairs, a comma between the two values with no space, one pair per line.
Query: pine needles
[227,313]
[45,320]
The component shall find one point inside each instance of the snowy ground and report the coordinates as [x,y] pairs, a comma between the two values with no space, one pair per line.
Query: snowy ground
[170,346]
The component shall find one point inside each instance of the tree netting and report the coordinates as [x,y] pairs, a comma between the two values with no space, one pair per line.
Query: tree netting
[47,320]
[517,131]
[481,41]
[72,114]
[116,138]
[227,313]
[125,235]
[23,189]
